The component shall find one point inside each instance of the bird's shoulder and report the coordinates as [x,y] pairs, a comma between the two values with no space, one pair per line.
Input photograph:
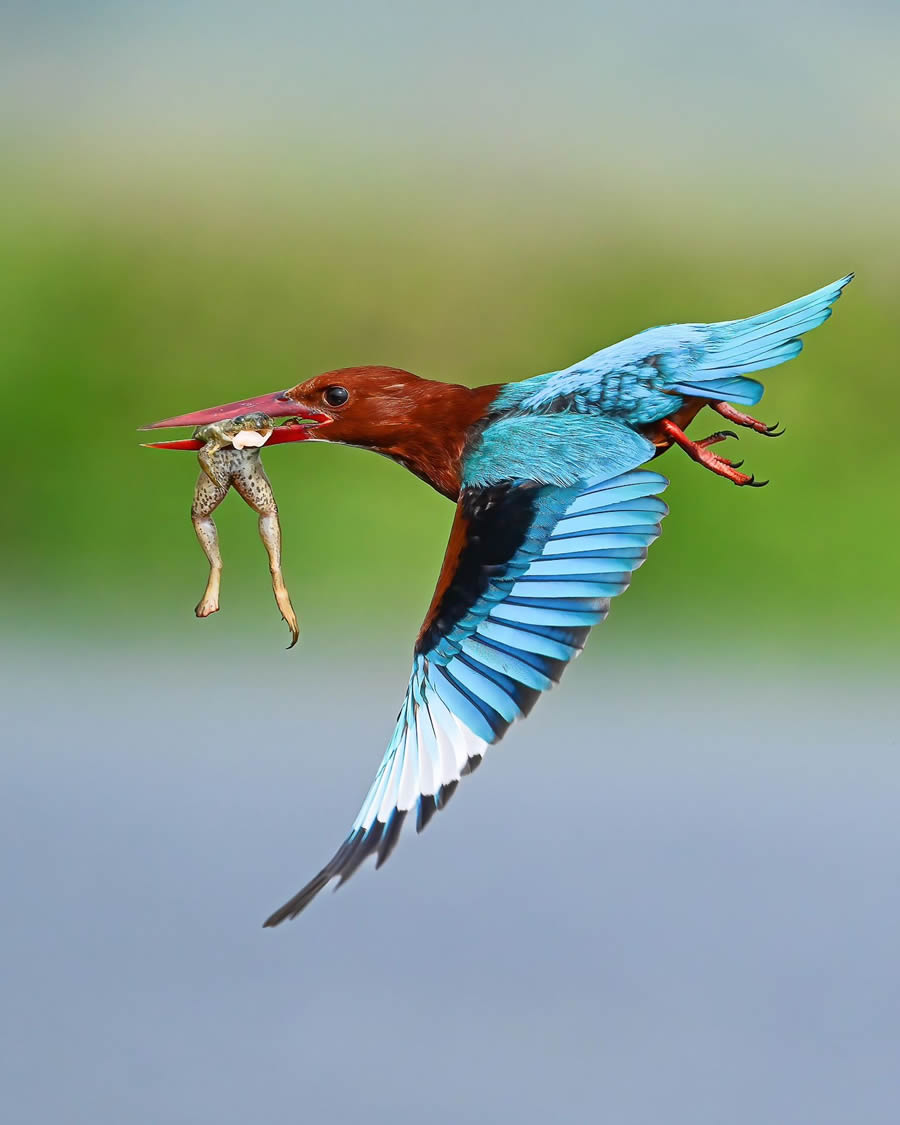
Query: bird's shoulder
[554,449]
[630,380]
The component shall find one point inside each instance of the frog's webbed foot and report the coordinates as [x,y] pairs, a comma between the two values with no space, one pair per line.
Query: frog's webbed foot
[209,603]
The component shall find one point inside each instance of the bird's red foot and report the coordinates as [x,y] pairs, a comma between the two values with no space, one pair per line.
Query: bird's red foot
[699,451]
[728,412]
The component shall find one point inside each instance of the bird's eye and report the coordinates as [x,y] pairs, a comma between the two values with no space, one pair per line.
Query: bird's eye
[336,396]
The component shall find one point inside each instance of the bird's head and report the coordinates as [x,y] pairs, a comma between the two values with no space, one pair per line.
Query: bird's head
[418,422]
[372,407]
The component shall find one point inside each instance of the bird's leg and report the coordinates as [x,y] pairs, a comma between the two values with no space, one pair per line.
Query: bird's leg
[253,485]
[698,451]
[728,412]
[208,495]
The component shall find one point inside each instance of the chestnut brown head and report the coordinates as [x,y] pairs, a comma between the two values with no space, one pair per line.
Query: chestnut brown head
[418,422]
[369,406]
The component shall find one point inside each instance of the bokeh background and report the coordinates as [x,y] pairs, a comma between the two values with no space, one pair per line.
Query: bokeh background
[672,894]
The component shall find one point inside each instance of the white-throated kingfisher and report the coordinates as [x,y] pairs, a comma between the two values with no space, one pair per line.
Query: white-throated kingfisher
[553,514]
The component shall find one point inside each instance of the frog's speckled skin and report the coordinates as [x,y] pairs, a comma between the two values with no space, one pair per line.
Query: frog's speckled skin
[219,435]
[242,469]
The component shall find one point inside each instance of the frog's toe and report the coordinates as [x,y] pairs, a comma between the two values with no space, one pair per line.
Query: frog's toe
[291,620]
[207,606]
[283,598]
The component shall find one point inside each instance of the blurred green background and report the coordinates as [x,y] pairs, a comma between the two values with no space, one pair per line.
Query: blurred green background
[205,202]
[137,291]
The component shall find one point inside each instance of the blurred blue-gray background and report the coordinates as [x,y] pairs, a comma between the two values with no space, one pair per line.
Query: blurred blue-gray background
[672,894]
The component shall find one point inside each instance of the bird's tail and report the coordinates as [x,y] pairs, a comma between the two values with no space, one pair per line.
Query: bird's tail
[738,346]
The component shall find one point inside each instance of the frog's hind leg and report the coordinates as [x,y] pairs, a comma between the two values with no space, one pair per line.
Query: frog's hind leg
[208,495]
[208,458]
[254,487]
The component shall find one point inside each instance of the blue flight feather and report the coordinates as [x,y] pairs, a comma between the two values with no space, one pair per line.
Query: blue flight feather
[647,377]
[486,669]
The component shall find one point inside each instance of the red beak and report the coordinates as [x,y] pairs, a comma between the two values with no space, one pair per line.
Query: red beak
[276,405]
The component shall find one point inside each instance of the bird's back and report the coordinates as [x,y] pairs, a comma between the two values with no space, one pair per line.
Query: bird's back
[649,376]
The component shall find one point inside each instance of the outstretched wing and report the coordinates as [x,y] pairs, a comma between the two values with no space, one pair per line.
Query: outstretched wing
[528,570]
[636,378]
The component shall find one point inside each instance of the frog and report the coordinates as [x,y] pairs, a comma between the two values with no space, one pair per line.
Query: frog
[243,432]
[230,458]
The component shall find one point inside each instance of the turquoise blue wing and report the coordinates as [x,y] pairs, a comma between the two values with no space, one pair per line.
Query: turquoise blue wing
[643,378]
[736,347]
[528,570]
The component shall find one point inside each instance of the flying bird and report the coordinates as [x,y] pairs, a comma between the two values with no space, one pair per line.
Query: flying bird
[553,515]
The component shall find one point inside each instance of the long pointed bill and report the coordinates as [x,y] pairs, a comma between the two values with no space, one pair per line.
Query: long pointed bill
[291,431]
[276,405]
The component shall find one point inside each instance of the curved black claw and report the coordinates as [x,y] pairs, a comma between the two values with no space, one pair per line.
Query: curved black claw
[714,439]
[773,430]
[754,483]
[736,464]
